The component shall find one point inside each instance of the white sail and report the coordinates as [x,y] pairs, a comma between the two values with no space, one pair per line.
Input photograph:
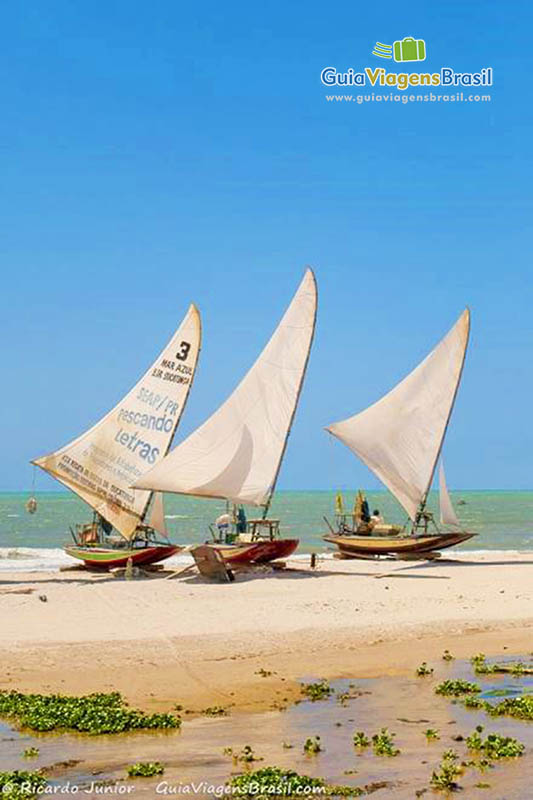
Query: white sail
[399,438]
[102,463]
[157,514]
[237,452]
[447,511]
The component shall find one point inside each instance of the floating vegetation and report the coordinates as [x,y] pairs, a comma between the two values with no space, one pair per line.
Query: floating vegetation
[145,769]
[481,667]
[424,670]
[457,688]
[263,673]
[30,752]
[313,745]
[494,746]
[517,707]
[360,739]
[320,690]
[21,785]
[272,782]
[383,743]
[215,711]
[482,786]
[471,701]
[445,777]
[343,697]
[431,734]
[287,746]
[246,755]
[447,656]
[94,713]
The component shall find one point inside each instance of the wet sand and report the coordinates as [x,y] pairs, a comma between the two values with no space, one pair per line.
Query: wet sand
[406,705]
[187,641]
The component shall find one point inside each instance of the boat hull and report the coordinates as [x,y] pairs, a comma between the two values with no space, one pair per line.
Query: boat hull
[259,552]
[354,546]
[106,557]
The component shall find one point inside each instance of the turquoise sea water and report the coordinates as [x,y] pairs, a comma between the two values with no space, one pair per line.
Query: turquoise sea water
[503,520]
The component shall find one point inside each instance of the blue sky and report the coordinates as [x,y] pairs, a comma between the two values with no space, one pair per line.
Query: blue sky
[154,154]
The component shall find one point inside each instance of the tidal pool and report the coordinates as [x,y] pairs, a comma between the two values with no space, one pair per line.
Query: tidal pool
[195,764]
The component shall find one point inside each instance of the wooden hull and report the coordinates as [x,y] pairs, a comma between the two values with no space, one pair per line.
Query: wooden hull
[353,546]
[260,552]
[108,557]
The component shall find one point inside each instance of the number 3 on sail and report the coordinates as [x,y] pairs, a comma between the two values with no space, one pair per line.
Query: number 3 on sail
[101,464]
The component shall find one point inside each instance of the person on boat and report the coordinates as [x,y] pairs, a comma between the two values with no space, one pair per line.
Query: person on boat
[365,511]
[376,518]
[241,525]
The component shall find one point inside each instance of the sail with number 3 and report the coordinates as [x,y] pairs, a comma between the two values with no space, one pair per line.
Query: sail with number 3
[101,464]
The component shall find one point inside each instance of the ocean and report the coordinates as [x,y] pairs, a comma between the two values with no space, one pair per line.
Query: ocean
[503,520]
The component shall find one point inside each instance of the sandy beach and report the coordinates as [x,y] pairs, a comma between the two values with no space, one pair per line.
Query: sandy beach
[162,642]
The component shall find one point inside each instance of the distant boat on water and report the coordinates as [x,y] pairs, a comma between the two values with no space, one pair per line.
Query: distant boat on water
[102,463]
[400,439]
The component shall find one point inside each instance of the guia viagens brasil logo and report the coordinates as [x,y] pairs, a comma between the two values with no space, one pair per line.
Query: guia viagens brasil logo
[406,50]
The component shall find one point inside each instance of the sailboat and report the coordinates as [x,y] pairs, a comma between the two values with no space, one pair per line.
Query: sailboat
[236,455]
[400,439]
[102,463]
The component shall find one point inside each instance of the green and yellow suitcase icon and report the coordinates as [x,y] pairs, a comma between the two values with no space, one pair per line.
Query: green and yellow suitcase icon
[410,49]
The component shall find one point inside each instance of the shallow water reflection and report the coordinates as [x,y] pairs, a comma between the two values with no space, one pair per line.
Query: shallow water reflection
[407,706]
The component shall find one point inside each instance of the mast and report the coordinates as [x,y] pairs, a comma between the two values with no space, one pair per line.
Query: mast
[300,387]
[400,436]
[194,308]
[439,451]
[236,453]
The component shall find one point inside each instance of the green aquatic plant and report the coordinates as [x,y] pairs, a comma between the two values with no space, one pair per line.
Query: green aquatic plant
[30,752]
[312,745]
[431,734]
[383,743]
[445,777]
[518,707]
[360,739]
[481,667]
[287,746]
[457,688]
[94,713]
[494,746]
[245,756]
[447,656]
[269,783]
[472,701]
[215,711]
[320,690]
[145,769]
[21,785]
[482,785]
[479,664]
[424,670]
